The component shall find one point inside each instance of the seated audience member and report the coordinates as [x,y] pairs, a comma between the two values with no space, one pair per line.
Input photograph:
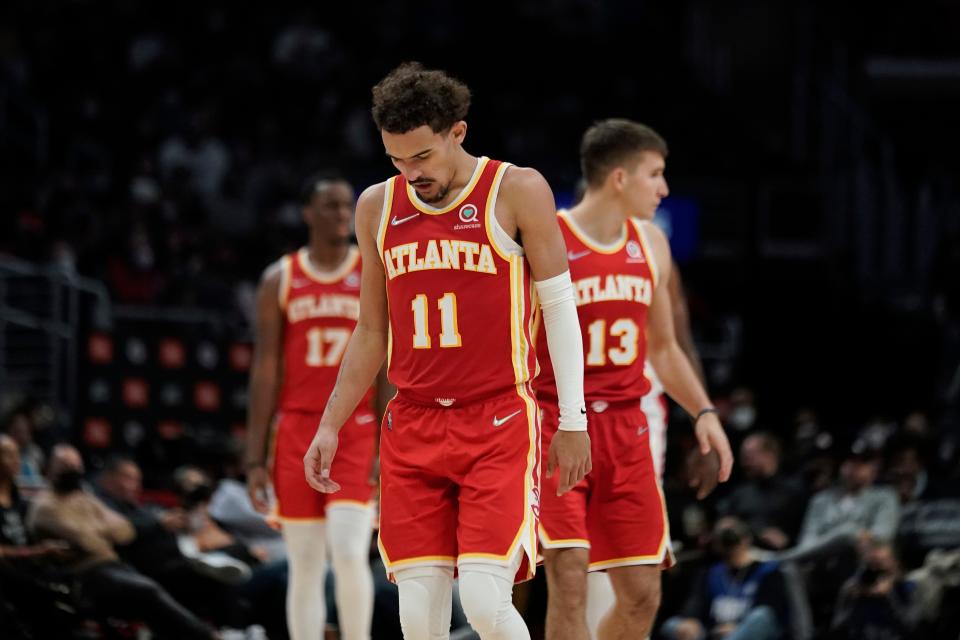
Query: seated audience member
[738,598]
[93,530]
[852,513]
[877,602]
[770,503]
[230,506]
[19,425]
[155,552]
[261,580]
[29,589]
[203,533]
[909,471]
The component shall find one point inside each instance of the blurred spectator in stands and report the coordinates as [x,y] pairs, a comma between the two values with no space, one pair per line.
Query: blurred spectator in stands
[852,513]
[19,425]
[92,529]
[907,471]
[840,523]
[28,589]
[743,411]
[738,598]
[929,505]
[196,489]
[262,581]
[231,507]
[770,503]
[917,424]
[877,602]
[155,552]
[200,154]
[133,275]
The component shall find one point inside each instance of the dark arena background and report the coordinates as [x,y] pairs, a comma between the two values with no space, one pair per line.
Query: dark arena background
[151,157]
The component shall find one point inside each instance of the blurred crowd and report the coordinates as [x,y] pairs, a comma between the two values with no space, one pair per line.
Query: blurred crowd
[827,533]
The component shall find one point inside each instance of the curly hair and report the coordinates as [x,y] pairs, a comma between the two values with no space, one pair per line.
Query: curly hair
[614,142]
[411,96]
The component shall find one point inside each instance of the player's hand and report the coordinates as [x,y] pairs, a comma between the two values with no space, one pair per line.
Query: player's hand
[257,488]
[703,471]
[316,464]
[711,437]
[570,457]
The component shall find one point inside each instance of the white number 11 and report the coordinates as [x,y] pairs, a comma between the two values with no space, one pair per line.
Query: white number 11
[449,331]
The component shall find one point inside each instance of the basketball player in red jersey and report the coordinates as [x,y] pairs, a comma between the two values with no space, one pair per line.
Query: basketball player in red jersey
[457,251]
[615,520]
[307,307]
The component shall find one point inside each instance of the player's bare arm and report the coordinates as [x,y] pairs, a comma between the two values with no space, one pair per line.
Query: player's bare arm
[669,361]
[681,321]
[365,352]
[265,379]
[384,392]
[526,209]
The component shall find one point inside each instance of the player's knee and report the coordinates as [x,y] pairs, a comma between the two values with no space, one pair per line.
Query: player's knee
[414,609]
[641,603]
[568,587]
[349,553]
[486,600]
[425,601]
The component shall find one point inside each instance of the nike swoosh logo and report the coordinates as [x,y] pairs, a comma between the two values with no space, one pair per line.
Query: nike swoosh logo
[571,256]
[500,421]
[642,430]
[395,222]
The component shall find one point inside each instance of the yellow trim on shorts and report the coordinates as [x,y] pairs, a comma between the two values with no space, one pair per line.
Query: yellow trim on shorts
[663,550]
[391,565]
[301,519]
[529,547]
[347,501]
[561,543]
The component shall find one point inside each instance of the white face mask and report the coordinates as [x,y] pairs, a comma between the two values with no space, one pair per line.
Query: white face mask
[742,418]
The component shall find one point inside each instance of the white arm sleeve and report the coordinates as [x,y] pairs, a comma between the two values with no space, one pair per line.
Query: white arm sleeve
[566,348]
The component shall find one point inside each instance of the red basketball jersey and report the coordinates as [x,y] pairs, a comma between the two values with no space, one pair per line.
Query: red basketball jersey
[614,288]
[460,294]
[320,313]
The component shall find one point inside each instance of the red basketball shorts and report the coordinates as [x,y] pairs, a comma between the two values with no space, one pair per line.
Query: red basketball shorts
[460,484]
[296,500]
[617,511]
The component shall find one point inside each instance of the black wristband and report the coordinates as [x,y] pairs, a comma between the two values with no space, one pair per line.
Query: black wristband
[704,412]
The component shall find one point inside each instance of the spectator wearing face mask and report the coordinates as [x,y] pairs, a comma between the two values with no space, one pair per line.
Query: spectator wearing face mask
[877,602]
[92,530]
[852,513]
[770,503]
[738,598]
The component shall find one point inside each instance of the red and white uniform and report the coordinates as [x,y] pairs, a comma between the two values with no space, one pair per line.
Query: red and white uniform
[459,448]
[320,312]
[617,511]
[655,408]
